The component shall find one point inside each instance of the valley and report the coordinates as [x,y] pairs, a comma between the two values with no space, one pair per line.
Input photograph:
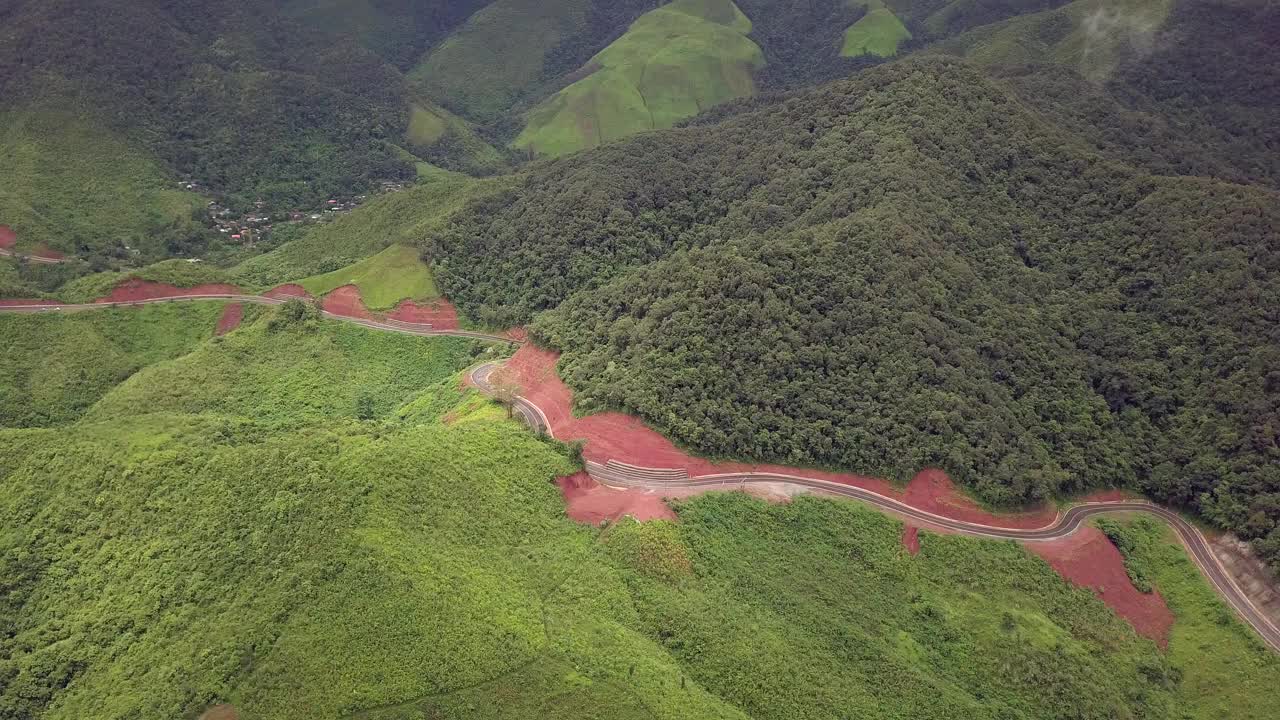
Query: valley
[768,359]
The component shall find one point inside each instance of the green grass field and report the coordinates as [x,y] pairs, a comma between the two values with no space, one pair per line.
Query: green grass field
[72,185]
[54,367]
[425,127]
[878,33]
[385,279]
[671,64]
[487,64]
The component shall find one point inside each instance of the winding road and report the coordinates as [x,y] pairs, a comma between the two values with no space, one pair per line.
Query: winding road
[396,326]
[621,475]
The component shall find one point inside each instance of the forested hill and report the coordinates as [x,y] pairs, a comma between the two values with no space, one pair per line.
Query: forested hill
[907,269]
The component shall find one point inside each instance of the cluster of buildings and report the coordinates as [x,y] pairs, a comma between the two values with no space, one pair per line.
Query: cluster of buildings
[256,224]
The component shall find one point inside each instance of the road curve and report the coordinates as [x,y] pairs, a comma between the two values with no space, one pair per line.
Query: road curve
[619,475]
[395,326]
[657,479]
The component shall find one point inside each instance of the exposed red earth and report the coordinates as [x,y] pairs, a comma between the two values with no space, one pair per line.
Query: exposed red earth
[439,314]
[1087,559]
[589,502]
[346,301]
[8,238]
[134,289]
[232,314]
[288,290]
[624,438]
[911,538]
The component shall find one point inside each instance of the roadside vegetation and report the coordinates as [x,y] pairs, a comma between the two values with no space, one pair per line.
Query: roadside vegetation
[309,519]
[54,367]
[1226,671]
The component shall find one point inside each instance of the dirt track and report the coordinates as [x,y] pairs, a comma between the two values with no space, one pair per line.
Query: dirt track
[616,474]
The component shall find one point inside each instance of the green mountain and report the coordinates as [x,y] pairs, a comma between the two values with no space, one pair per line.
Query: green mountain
[304,519]
[919,271]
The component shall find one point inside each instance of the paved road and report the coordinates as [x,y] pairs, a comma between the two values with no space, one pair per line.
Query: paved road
[395,326]
[30,258]
[657,479]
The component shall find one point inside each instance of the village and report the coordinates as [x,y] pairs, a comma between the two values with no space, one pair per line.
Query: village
[254,226]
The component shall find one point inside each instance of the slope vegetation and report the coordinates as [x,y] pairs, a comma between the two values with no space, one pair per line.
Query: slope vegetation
[672,63]
[385,279]
[70,184]
[824,281]
[877,33]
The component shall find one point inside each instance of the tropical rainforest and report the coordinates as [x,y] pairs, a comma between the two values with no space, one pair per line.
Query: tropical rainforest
[1033,243]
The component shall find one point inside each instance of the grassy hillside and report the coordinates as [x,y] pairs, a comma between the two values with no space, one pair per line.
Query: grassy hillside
[877,33]
[72,185]
[54,367]
[385,279]
[672,63]
[438,135]
[492,60]
[290,368]
[405,218]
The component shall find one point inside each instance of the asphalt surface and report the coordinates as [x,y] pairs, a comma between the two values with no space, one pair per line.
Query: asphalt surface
[394,326]
[1067,523]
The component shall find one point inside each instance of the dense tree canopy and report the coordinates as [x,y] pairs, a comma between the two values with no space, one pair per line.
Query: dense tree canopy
[900,270]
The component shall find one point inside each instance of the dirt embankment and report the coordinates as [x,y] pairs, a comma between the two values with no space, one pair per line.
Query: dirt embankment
[8,238]
[1087,559]
[615,436]
[232,315]
[439,314]
[346,301]
[287,291]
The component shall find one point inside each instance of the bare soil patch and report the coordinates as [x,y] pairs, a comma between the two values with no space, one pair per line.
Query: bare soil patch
[287,291]
[232,315]
[135,290]
[589,502]
[8,238]
[1255,579]
[1088,559]
[346,301]
[911,539]
[439,314]
[625,438]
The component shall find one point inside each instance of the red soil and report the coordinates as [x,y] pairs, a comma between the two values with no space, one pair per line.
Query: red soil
[8,238]
[287,291]
[587,501]
[345,301]
[911,539]
[615,436]
[1110,496]
[132,290]
[1088,559]
[439,314]
[518,334]
[232,314]
[43,252]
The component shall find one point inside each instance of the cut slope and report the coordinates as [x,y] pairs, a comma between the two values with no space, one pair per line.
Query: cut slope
[385,279]
[671,64]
